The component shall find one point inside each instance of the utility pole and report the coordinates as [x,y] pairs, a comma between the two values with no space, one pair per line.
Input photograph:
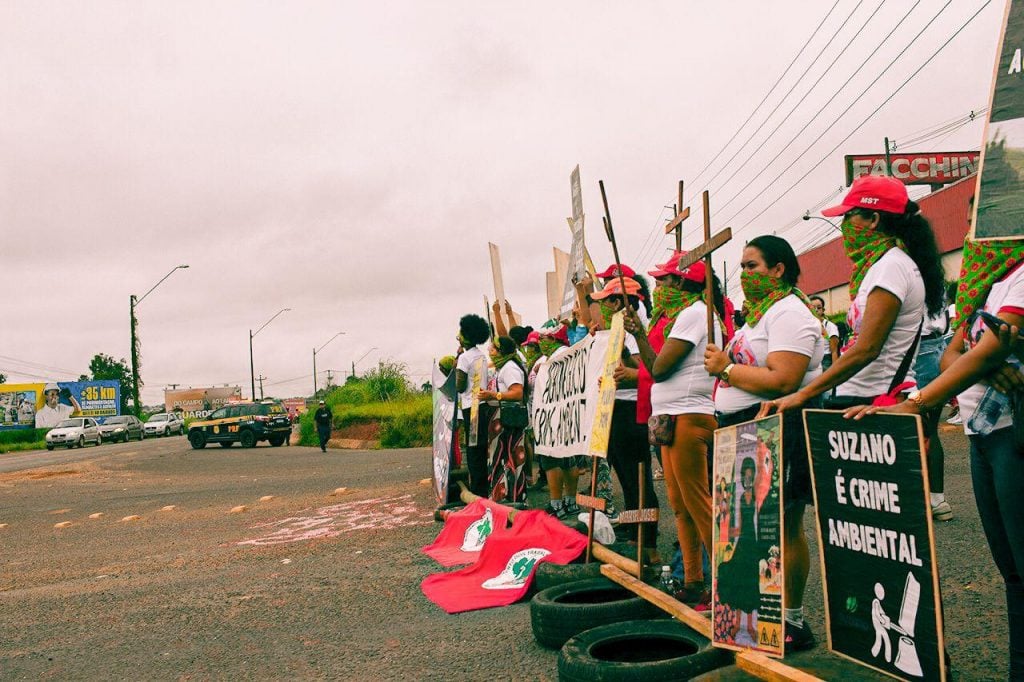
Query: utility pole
[317,350]
[261,379]
[133,323]
[174,387]
[252,369]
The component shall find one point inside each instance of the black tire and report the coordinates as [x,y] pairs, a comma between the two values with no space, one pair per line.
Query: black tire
[564,611]
[551,575]
[247,439]
[197,439]
[167,431]
[142,435]
[49,446]
[649,650]
[81,441]
[227,444]
[99,439]
[276,441]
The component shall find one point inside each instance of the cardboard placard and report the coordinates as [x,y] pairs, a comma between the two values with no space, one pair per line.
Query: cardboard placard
[999,199]
[553,292]
[477,380]
[876,542]
[575,271]
[561,272]
[606,390]
[499,283]
[747,530]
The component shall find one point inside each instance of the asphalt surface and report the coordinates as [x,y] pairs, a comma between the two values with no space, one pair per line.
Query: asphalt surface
[313,582]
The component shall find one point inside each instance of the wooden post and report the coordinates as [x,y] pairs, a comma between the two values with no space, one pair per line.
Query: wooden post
[709,292]
[593,503]
[615,248]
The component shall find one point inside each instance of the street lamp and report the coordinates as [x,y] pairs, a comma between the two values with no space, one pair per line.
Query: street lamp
[252,371]
[808,216]
[360,360]
[133,324]
[317,350]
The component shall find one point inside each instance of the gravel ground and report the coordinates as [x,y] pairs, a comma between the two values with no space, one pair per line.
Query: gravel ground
[314,582]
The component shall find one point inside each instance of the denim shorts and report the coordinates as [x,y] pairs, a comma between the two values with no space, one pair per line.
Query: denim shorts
[926,367]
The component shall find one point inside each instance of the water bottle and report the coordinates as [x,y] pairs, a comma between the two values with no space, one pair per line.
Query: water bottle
[668,584]
[988,411]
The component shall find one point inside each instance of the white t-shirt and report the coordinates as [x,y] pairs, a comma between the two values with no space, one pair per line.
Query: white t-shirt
[1005,296]
[789,325]
[936,324]
[898,274]
[689,389]
[510,375]
[630,345]
[830,328]
[465,364]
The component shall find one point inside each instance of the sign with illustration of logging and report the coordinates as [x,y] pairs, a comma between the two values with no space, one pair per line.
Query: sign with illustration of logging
[876,542]
[999,208]
[746,534]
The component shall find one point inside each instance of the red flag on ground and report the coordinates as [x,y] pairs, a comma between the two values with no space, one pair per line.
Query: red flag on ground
[465,531]
[503,572]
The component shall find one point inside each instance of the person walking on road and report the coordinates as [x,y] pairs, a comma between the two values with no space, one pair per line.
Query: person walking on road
[323,419]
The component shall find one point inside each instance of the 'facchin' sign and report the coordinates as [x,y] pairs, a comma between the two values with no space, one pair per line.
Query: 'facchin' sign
[924,168]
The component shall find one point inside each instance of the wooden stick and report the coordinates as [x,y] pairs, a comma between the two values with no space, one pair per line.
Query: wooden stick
[593,493]
[766,668]
[610,233]
[708,286]
[679,232]
[640,527]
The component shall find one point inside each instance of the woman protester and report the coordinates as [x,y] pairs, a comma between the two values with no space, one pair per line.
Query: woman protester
[897,277]
[778,350]
[992,404]
[506,446]
[473,334]
[681,396]
[561,472]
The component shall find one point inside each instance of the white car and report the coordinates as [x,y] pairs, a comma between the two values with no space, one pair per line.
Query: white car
[73,432]
[164,424]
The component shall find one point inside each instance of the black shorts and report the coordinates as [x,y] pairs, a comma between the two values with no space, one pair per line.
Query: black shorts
[796,483]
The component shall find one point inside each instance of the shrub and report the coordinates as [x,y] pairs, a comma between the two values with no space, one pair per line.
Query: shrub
[12,436]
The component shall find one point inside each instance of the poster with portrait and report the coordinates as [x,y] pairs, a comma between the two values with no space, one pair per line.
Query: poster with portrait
[444,398]
[999,203]
[876,542]
[746,532]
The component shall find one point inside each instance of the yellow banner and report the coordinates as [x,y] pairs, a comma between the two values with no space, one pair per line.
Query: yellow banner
[606,393]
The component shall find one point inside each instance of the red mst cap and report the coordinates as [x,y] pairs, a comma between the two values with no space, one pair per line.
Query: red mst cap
[532,337]
[694,273]
[875,193]
[613,271]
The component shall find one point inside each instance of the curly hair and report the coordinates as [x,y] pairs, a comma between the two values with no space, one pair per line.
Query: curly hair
[474,328]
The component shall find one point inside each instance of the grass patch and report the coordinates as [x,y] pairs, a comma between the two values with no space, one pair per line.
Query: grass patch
[16,440]
[20,447]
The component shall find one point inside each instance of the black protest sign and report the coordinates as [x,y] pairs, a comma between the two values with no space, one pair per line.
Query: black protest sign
[1000,202]
[877,547]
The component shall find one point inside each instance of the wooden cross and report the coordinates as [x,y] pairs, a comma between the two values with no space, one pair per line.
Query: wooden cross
[676,224]
[703,251]
[593,503]
[640,516]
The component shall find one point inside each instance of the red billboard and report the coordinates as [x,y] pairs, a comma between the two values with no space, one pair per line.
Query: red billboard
[915,168]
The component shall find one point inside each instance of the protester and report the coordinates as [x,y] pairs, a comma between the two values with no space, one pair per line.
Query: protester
[897,276]
[560,472]
[473,335]
[830,330]
[506,448]
[682,393]
[324,420]
[975,366]
[627,440]
[779,349]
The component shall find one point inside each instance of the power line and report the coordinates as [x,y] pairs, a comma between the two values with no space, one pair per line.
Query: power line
[833,97]
[862,123]
[641,254]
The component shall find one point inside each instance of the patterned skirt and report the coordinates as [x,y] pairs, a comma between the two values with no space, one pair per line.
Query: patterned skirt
[507,450]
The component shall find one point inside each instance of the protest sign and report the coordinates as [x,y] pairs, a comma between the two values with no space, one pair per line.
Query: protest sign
[746,533]
[444,398]
[876,542]
[565,397]
[553,291]
[477,381]
[606,389]
[999,203]
[561,274]
[577,268]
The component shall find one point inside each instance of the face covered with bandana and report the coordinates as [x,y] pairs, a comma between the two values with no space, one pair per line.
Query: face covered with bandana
[762,285]
[864,243]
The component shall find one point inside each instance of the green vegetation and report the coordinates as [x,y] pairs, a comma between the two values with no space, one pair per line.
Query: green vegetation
[15,440]
[384,396]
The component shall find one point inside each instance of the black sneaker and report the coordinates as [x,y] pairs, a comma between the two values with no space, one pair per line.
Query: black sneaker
[571,508]
[550,509]
[799,637]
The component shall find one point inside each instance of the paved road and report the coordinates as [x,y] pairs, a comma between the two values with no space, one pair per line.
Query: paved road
[306,583]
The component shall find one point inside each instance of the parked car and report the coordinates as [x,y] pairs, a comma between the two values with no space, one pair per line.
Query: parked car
[73,432]
[164,424]
[245,423]
[123,428]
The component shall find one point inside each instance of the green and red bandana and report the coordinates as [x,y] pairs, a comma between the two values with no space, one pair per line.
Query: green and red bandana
[607,312]
[985,263]
[669,302]
[532,354]
[761,292]
[548,346]
[864,247]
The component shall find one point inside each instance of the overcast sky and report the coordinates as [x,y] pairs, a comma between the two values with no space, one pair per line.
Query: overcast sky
[351,161]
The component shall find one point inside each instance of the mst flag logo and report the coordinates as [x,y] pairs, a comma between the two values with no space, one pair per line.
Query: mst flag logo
[517,570]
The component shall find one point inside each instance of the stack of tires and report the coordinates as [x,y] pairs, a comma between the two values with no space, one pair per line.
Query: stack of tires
[605,632]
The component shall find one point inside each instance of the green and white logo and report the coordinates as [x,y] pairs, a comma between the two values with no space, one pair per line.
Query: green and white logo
[517,570]
[477,533]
